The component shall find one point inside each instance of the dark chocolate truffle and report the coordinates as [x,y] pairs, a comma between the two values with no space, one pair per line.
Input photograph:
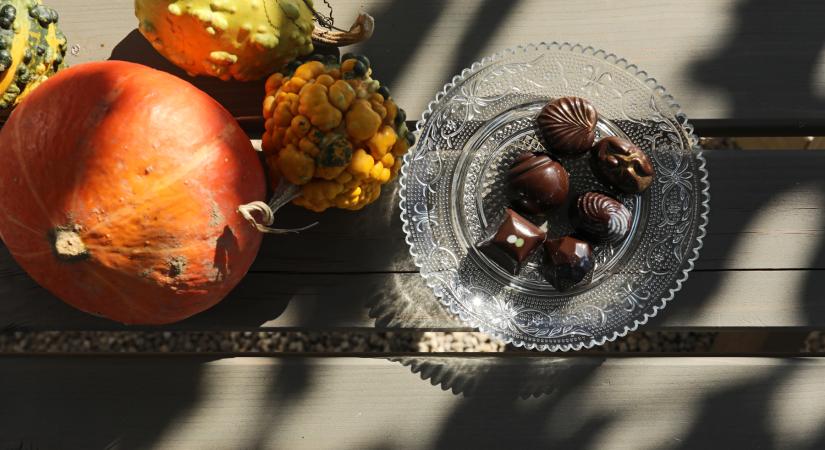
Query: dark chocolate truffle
[536,183]
[622,164]
[568,125]
[516,239]
[567,261]
[600,217]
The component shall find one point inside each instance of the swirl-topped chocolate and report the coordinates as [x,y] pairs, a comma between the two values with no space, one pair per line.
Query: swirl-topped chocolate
[601,217]
[568,125]
[622,164]
[536,183]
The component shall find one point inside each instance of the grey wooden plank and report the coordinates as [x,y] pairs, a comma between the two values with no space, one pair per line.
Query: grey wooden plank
[712,300]
[261,301]
[767,217]
[450,402]
[767,212]
[748,60]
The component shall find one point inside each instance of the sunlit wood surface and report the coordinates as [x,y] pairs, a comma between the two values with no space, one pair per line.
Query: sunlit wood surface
[722,59]
[741,63]
[450,402]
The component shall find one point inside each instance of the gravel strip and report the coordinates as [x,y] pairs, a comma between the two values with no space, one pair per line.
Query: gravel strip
[291,342]
[203,342]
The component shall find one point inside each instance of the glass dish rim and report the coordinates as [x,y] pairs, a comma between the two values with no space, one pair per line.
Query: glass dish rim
[681,118]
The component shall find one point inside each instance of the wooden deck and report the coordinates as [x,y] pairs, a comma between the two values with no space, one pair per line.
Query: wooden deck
[738,67]
[760,266]
[744,64]
[450,402]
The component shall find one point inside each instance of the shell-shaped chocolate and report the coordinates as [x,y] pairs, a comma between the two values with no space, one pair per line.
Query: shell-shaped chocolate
[536,183]
[601,217]
[620,163]
[568,125]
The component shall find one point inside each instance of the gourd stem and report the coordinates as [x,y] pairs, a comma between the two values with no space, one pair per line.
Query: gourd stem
[360,31]
[284,193]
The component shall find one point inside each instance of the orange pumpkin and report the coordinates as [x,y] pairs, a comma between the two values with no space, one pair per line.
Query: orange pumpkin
[119,188]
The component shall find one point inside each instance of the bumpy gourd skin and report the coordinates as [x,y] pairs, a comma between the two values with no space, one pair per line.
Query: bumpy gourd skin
[334,131]
[241,39]
[32,48]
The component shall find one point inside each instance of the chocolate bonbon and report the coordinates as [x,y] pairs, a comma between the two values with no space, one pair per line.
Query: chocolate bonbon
[600,217]
[622,164]
[568,125]
[536,183]
[514,241]
[567,262]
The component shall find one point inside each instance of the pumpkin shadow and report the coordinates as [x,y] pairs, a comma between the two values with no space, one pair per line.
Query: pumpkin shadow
[313,279]
[332,273]
[240,98]
[257,299]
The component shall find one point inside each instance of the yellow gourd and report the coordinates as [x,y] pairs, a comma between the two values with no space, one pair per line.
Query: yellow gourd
[32,48]
[334,131]
[240,39]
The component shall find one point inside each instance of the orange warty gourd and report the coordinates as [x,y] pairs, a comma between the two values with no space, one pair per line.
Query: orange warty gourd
[119,189]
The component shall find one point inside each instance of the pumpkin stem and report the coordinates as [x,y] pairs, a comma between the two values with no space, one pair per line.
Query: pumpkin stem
[284,193]
[68,245]
[360,31]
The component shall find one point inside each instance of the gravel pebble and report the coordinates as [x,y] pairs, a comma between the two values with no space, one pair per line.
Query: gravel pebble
[814,343]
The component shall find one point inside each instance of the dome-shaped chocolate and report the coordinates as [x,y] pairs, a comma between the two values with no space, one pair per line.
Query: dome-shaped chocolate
[622,164]
[568,125]
[601,217]
[537,183]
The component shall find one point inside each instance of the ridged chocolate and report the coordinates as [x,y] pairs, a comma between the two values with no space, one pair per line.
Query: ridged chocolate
[536,183]
[568,125]
[622,164]
[601,217]
[514,241]
[567,262]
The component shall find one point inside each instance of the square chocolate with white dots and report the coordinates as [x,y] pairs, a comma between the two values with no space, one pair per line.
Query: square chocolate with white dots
[514,241]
